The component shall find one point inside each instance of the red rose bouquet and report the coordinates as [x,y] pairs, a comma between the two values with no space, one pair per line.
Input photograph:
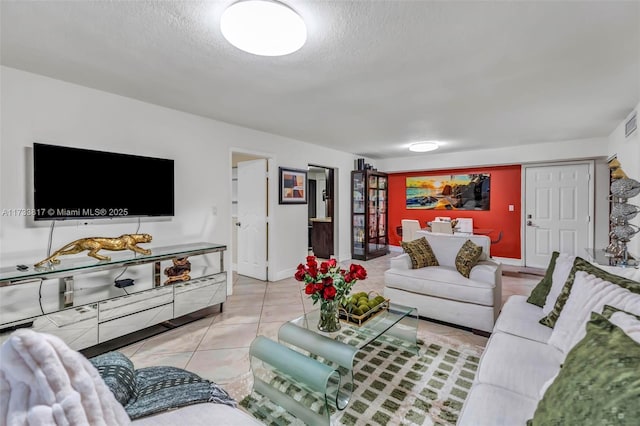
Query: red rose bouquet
[329,284]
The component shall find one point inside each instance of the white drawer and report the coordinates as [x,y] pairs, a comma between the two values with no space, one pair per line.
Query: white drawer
[78,327]
[126,305]
[19,302]
[193,295]
[184,286]
[120,326]
[71,316]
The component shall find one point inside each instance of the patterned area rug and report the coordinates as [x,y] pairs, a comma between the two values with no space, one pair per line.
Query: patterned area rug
[394,386]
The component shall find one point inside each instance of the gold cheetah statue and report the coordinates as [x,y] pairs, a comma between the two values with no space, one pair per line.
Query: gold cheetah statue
[95,244]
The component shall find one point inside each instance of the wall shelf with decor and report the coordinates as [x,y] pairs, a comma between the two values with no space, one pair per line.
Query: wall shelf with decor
[50,299]
[369,190]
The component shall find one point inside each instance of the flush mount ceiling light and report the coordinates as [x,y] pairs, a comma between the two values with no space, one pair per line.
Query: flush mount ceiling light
[263,27]
[423,146]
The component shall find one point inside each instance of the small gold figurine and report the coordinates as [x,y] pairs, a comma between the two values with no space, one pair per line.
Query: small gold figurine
[95,244]
[616,169]
[179,271]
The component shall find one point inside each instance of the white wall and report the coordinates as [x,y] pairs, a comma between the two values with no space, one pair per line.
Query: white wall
[601,202]
[521,154]
[552,152]
[628,151]
[40,109]
[36,108]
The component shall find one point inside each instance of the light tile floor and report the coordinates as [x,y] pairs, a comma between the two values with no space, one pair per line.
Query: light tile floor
[217,347]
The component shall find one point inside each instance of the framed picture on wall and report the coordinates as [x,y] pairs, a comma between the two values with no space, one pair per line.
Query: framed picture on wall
[293,186]
[449,192]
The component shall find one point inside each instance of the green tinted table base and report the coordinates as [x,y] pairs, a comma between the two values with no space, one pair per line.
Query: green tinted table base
[318,363]
[324,380]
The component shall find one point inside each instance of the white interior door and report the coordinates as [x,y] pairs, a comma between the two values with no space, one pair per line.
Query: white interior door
[557,211]
[252,219]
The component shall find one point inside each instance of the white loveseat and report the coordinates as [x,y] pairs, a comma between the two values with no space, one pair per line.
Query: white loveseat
[441,292]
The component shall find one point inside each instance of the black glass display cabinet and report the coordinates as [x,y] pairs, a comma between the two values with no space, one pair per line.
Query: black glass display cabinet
[369,190]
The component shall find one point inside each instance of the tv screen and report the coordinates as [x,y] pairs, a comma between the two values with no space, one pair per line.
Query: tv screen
[73,183]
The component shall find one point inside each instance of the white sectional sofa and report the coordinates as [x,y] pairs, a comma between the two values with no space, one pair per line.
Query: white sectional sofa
[441,292]
[200,415]
[522,359]
[514,366]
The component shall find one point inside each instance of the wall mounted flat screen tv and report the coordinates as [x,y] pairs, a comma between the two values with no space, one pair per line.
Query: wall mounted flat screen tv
[73,183]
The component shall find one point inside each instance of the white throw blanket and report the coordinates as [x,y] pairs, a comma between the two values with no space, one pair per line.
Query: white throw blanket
[44,382]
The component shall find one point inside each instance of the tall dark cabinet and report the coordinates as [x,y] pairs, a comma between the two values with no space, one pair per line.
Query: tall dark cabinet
[369,237]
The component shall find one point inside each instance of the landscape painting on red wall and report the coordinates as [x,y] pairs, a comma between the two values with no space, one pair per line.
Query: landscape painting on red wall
[449,192]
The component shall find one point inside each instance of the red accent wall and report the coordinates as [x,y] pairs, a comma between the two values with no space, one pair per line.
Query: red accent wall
[505,190]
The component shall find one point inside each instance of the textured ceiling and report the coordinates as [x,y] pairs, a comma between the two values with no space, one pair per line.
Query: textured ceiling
[373,76]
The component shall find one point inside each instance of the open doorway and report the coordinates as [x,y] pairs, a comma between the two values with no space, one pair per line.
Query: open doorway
[249,214]
[321,211]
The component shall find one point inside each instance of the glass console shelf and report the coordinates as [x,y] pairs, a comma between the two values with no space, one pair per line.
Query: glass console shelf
[74,263]
[71,301]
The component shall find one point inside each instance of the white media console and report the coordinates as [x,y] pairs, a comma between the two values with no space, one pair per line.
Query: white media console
[49,300]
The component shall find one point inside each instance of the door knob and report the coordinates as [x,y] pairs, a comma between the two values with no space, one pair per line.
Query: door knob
[530,223]
[237,223]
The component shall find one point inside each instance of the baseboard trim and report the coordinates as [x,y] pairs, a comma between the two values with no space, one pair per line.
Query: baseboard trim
[459,327]
[509,261]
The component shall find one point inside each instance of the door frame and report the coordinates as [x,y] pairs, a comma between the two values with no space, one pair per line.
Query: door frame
[334,205]
[523,201]
[271,200]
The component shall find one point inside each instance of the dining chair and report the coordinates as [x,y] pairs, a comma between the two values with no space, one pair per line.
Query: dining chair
[465,225]
[409,228]
[441,227]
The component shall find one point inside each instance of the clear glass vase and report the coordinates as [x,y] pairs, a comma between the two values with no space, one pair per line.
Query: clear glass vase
[329,318]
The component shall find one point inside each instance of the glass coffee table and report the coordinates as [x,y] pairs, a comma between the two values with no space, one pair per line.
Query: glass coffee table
[398,321]
[321,364]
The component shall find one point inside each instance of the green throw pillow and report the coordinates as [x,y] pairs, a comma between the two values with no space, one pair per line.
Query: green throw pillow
[467,257]
[599,382]
[582,265]
[420,253]
[608,311]
[541,291]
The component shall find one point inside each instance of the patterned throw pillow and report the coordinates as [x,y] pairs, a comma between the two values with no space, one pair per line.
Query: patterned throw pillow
[467,257]
[606,395]
[539,294]
[588,294]
[561,271]
[420,253]
[117,372]
[164,388]
[582,265]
